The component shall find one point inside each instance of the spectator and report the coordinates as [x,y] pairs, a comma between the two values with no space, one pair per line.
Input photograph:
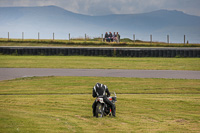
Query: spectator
[107,37]
[110,36]
[114,37]
[118,38]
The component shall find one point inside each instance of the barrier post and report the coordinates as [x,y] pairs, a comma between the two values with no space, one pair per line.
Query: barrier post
[134,38]
[184,39]
[53,35]
[168,39]
[151,39]
[8,36]
[38,36]
[22,36]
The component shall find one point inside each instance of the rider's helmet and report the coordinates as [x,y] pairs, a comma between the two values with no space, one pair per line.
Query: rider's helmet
[98,85]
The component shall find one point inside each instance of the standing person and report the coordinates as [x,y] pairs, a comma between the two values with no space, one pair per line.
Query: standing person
[114,37]
[106,37]
[111,36]
[118,37]
[102,90]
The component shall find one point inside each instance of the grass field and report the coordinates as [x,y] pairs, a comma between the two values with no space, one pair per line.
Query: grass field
[45,104]
[84,85]
[63,104]
[99,62]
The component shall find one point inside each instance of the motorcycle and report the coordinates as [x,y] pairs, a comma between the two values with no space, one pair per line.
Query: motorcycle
[102,109]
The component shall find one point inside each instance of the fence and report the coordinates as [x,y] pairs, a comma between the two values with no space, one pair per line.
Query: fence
[86,37]
[110,52]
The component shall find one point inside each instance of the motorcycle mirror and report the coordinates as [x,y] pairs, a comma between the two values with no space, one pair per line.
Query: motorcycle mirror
[115,94]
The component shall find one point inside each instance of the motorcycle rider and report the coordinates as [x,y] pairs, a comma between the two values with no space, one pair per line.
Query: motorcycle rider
[102,90]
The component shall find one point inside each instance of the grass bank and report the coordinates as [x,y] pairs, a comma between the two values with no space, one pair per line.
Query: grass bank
[43,104]
[76,62]
[89,42]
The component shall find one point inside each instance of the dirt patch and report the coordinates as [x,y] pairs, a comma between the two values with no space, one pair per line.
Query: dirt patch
[181,121]
[80,117]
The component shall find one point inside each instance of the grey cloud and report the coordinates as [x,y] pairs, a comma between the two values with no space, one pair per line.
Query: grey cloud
[103,7]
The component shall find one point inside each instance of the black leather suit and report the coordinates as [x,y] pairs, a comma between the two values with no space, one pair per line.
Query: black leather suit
[102,90]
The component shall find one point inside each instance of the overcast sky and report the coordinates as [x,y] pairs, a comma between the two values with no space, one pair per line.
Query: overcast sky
[104,7]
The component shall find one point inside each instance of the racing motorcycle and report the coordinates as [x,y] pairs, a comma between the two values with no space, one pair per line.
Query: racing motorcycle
[102,109]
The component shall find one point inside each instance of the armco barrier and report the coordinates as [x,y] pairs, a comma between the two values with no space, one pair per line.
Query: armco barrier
[116,52]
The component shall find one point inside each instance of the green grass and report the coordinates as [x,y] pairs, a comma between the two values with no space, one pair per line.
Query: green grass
[43,104]
[135,113]
[83,85]
[88,42]
[64,104]
[85,62]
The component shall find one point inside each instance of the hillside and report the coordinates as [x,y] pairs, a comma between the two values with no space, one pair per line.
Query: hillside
[49,19]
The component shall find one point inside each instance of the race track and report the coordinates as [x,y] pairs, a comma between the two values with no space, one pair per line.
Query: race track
[12,73]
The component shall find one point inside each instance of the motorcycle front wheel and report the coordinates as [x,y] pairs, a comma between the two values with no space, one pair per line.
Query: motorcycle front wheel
[99,110]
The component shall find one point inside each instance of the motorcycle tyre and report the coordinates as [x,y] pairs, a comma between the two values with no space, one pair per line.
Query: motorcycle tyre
[99,110]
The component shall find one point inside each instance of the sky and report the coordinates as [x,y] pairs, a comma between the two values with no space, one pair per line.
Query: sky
[105,7]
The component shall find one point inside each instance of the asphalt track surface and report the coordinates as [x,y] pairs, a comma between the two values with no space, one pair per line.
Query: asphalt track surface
[12,73]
